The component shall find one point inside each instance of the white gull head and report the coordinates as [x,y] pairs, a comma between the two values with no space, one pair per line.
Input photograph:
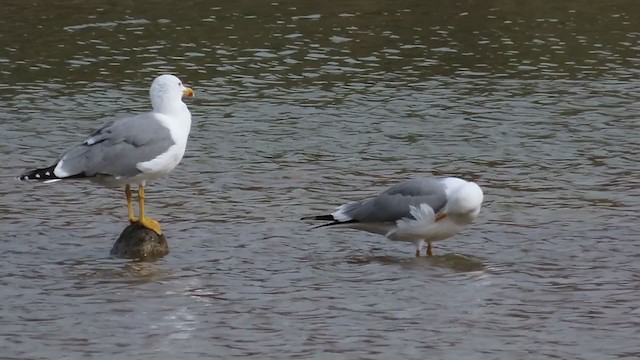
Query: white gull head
[166,95]
[464,205]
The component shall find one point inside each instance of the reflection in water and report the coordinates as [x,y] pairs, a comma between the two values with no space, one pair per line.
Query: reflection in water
[455,262]
[298,101]
[87,272]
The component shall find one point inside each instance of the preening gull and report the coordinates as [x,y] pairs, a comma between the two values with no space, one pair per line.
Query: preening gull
[417,211]
[131,150]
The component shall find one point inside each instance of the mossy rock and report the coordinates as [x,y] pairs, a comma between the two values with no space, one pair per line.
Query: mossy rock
[138,242]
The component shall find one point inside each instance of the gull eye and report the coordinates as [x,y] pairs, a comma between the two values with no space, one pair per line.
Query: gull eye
[180,84]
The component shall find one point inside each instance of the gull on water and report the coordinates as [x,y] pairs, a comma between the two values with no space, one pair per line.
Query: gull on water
[131,150]
[416,211]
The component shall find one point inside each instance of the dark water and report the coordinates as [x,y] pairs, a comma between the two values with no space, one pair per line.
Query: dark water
[304,105]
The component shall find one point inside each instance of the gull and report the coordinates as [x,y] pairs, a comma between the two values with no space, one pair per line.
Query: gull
[416,211]
[131,150]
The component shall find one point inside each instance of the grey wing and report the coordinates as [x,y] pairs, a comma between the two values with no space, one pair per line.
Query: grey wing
[395,203]
[116,149]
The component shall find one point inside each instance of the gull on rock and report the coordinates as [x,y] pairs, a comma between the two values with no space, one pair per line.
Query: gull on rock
[131,150]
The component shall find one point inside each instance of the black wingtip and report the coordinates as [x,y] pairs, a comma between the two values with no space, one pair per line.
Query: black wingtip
[39,174]
[330,218]
[319,217]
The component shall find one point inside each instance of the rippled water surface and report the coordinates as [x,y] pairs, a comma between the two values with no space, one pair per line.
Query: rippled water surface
[301,106]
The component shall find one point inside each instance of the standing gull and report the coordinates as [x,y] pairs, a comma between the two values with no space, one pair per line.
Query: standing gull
[131,150]
[416,211]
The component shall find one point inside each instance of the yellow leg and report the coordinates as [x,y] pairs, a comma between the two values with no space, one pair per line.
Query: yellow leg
[127,192]
[145,221]
[429,250]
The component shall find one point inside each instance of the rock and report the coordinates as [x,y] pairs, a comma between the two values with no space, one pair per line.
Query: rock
[138,242]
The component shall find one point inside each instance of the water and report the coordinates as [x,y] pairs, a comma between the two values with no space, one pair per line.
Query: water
[300,107]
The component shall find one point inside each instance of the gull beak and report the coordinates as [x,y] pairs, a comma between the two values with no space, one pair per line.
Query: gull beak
[188,92]
[441,216]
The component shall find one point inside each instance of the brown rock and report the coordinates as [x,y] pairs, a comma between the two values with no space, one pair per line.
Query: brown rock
[138,242]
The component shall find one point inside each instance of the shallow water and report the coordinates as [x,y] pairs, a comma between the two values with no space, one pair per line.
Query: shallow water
[300,107]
